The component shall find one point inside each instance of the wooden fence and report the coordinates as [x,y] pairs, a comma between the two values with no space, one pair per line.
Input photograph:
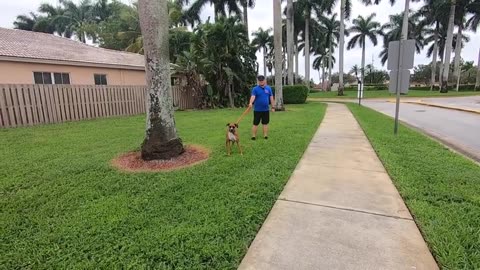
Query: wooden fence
[27,105]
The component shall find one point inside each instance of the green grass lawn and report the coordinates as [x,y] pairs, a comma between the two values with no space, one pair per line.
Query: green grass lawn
[63,206]
[386,94]
[441,188]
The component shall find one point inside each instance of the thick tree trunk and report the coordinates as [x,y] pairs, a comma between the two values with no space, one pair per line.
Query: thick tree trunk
[290,42]
[458,49]
[230,95]
[264,61]
[434,59]
[477,80]
[330,60]
[277,30]
[341,45]
[307,48]
[161,139]
[323,77]
[448,49]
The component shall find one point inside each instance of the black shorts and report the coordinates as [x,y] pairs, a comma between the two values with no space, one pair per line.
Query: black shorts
[263,116]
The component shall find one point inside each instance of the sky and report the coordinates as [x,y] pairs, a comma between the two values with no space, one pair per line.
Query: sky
[262,16]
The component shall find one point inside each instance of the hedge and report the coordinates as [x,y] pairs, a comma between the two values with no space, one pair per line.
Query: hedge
[294,94]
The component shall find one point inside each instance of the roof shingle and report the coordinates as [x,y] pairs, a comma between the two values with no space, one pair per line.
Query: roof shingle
[41,46]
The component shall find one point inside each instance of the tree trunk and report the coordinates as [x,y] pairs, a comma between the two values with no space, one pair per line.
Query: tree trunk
[161,139]
[330,60]
[230,95]
[290,40]
[245,17]
[265,61]
[477,80]
[434,59]
[297,54]
[277,36]
[323,77]
[362,75]
[341,45]
[306,50]
[458,49]
[448,49]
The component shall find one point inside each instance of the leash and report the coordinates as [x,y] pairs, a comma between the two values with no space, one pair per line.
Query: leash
[243,115]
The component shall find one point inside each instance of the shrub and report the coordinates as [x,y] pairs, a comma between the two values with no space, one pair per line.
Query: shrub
[294,94]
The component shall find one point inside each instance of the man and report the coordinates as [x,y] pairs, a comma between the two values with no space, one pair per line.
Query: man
[261,98]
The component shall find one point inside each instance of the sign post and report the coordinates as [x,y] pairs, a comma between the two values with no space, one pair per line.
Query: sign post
[400,61]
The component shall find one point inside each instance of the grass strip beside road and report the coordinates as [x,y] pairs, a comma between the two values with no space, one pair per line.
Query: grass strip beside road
[441,188]
[386,94]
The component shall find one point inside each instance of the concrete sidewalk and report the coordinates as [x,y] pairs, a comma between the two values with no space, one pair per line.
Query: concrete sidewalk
[339,210]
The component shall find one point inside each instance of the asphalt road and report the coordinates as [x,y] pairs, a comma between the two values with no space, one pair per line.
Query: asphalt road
[460,130]
[471,103]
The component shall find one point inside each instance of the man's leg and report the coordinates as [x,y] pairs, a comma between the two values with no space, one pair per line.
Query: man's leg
[265,122]
[265,131]
[254,131]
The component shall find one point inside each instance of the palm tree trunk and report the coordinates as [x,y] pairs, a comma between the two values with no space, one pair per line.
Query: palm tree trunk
[264,61]
[307,48]
[245,16]
[290,41]
[434,59]
[477,80]
[362,78]
[297,55]
[277,38]
[161,139]
[458,49]
[323,76]
[230,95]
[448,49]
[341,45]
[330,60]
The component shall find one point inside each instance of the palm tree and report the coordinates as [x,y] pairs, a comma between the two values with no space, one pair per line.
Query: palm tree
[261,40]
[220,7]
[332,34]
[53,15]
[433,13]
[77,18]
[472,24]
[364,28]
[345,8]
[161,140]
[448,48]
[277,36]
[245,5]
[290,39]
[33,22]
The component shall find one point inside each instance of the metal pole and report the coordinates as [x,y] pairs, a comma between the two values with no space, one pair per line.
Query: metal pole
[400,56]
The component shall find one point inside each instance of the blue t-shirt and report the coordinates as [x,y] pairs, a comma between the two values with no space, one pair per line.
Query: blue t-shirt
[262,98]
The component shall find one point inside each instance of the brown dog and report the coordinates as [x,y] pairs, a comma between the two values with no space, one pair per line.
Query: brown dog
[232,138]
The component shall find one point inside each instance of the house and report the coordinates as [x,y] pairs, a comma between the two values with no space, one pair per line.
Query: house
[38,58]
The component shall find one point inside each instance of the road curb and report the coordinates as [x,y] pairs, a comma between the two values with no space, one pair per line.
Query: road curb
[443,106]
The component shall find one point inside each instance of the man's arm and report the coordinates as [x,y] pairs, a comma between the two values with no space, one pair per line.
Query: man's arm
[272,101]
[252,99]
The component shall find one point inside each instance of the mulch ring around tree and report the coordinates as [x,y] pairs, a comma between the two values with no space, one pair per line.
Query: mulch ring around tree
[132,161]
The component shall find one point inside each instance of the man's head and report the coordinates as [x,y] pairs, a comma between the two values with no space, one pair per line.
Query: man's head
[261,80]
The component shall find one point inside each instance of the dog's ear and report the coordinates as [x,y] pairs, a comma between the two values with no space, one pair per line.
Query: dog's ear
[228,124]
[236,125]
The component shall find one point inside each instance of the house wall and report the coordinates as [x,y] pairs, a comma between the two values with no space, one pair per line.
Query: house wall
[22,73]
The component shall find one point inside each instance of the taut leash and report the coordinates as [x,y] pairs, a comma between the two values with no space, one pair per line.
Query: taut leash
[243,115]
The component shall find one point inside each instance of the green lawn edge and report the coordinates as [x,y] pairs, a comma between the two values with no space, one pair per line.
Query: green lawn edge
[440,188]
[386,94]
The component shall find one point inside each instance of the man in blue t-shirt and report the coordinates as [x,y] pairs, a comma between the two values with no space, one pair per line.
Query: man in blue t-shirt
[261,98]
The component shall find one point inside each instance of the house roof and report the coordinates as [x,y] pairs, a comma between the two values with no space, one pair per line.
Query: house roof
[27,46]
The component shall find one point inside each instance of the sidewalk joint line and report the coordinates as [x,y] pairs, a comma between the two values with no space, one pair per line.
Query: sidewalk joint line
[344,209]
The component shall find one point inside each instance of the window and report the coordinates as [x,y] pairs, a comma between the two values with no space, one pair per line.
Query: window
[42,77]
[46,78]
[100,79]
[61,78]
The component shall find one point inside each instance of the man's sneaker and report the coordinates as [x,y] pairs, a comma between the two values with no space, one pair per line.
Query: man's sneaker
[253,138]
[266,137]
